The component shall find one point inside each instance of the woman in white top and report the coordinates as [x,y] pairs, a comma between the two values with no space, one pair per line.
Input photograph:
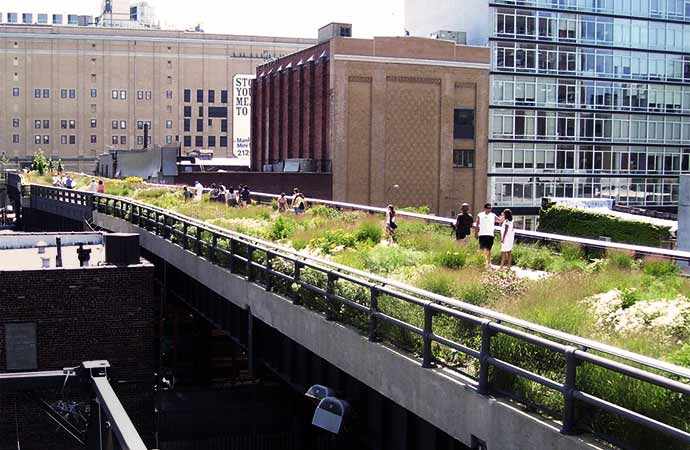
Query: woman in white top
[507,239]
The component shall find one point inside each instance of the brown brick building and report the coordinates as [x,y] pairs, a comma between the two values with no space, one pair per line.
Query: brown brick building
[398,120]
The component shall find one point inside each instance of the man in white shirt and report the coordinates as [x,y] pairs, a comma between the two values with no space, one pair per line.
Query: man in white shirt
[198,191]
[484,228]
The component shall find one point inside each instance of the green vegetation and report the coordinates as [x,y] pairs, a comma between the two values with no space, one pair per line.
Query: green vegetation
[577,222]
[427,256]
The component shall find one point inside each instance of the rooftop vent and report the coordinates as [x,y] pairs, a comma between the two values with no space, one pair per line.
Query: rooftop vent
[122,249]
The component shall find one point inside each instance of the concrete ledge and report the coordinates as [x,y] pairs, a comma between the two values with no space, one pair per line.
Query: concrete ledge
[441,397]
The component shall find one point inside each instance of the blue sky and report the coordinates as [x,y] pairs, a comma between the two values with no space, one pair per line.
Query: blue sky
[295,18]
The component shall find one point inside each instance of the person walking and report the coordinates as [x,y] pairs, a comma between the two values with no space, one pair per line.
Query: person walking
[93,186]
[282,203]
[507,239]
[245,196]
[298,202]
[463,224]
[391,224]
[198,191]
[484,229]
[101,187]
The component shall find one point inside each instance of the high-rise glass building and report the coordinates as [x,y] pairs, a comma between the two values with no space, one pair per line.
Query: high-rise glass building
[589,99]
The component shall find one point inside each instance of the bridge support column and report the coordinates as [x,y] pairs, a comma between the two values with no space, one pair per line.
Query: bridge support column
[684,217]
[251,357]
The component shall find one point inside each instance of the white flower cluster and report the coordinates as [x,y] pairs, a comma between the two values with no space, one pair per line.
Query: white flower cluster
[671,317]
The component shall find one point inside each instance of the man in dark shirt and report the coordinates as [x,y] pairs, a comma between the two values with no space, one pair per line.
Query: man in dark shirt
[463,224]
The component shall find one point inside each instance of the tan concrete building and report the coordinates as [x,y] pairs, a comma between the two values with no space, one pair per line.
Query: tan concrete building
[400,120]
[76,91]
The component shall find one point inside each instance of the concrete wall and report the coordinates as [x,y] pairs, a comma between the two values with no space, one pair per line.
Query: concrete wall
[445,399]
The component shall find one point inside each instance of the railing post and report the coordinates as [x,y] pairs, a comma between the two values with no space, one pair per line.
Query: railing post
[212,250]
[185,235]
[427,357]
[250,255]
[330,291]
[373,310]
[484,355]
[269,269]
[296,280]
[569,416]
[231,262]
[197,236]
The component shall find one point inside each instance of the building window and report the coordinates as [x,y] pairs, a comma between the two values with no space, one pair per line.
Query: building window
[27,18]
[168,124]
[20,346]
[188,111]
[115,124]
[211,96]
[223,141]
[57,19]
[15,92]
[94,139]
[224,125]
[37,124]
[463,124]
[187,141]
[199,141]
[46,139]
[37,139]
[168,139]
[123,140]
[46,124]
[63,124]
[115,95]
[42,19]
[15,139]
[188,125]
[123,124]
[15,123]
[63,93]
[463,158]
[187,95]
[72,93]
[94,93]
[37,93]
[200,96]
[201,111]
[140,95]
[147,95]
[140,140]
[223,96]
[63,139]
[115,140]
[72,139]
[123,95]
[46,93]
[94,123]
[72,124]
[211,141]
[199,125]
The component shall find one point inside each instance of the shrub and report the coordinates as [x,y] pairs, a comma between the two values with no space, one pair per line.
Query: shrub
[282,228]
[659,267]
[330,240]
[577,222]
[620,259]
[532,257]
[423,209]
[324,211]
[571,252]
[451,259]
[369,231]
[474,293]
[438,282]
[386,259]
[629,297]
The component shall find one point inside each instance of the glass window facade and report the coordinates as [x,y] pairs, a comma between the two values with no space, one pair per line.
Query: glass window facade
[589,98]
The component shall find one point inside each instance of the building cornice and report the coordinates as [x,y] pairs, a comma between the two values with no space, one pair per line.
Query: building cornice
[412,61]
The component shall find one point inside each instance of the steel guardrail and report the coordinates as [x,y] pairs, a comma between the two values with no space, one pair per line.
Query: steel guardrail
[177,229]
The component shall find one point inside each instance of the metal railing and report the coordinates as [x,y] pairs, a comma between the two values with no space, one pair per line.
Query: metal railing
[319,285]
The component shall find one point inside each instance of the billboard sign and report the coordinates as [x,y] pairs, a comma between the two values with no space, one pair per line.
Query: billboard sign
[241,115]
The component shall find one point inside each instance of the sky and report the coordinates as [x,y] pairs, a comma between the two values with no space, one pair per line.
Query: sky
[290,18]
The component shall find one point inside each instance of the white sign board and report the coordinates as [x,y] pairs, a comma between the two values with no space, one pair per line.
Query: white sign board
[241,115]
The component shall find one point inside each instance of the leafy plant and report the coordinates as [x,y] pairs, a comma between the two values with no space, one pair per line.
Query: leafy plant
[39,163]
[369,231]
[659,267]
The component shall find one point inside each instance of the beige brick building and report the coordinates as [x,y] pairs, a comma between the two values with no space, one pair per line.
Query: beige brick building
[76,91]
[399,120]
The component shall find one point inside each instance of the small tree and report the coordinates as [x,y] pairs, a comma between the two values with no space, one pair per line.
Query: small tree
[39,163]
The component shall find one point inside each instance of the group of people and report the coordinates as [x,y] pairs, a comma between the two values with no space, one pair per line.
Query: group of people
[298,203]
[484,227]
[64,182]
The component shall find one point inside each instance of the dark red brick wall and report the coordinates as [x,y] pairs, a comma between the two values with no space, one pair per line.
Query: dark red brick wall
[315,185]
[290,119]
[81,315]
